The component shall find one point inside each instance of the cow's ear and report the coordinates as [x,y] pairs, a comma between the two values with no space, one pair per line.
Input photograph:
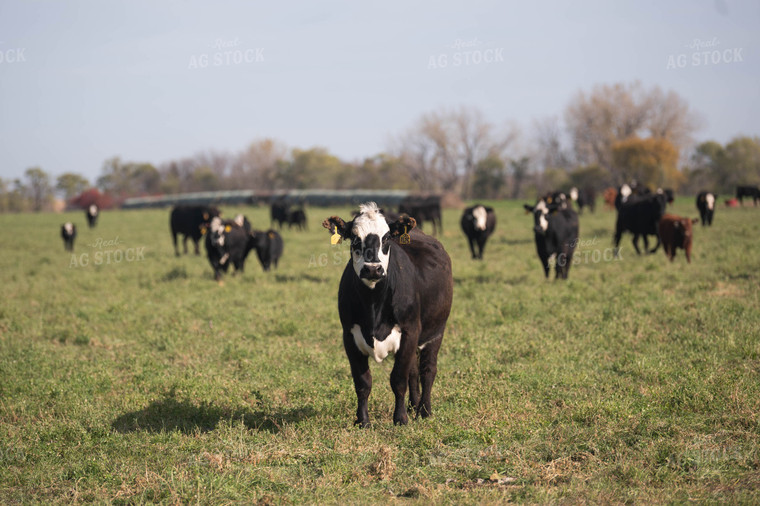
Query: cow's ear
[528,208]
[403,226]
[336,225]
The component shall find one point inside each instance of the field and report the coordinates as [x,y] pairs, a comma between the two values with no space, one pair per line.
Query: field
[142,380]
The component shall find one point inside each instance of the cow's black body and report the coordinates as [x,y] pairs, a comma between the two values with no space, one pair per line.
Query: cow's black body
[68,234]
[640,215]
[558,238]
[278,213]
[92,215]
[189,221]
[268,247]
[706,207]
[423,209]
[477,236]
[297,217]
[752,192]
[411,301]
[586,197]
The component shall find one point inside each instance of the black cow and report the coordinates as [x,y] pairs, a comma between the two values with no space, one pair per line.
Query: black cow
[278,213]
[297,217]
[555,230]
[584,197]
[423,209]
[227,243]
[478,223]
[748,191]
[394,297]
[640,215]
[188,221]
[68,234]
[268,247]
[706,206]
[92,215]
[242,221]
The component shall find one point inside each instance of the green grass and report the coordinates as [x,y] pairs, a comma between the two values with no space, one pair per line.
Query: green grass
[636,381]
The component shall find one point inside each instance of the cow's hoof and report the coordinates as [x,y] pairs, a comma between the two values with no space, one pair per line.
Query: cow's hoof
[401,421]
[362,424]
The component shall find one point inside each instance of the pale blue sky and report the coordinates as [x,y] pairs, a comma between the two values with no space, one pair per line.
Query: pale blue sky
[101,79]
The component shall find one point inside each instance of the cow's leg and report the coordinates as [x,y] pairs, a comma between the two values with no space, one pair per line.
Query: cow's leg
[428,370]
[174,240]
[399,380]
[362,379]
[618,235]
[657,245]
[414,384]
[646,243]
[472,247]
[184,243]
[481,247]
[636,244]
[195,243]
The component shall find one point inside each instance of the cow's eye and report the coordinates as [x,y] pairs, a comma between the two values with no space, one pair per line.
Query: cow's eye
[356,244]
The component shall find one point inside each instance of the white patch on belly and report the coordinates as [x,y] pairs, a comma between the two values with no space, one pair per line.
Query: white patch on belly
[380,349]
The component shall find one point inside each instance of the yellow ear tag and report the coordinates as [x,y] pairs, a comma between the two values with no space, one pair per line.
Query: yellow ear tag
[335,238]
[227,228]
[404,239]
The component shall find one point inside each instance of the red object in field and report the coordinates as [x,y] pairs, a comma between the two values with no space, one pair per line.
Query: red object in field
[732,203]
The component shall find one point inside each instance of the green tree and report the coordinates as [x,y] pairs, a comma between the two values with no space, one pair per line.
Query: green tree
[489,178]
[70,185]
[313,168]
[652,162]
[39,187]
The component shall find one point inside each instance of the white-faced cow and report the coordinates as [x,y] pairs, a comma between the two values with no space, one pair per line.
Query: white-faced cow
[584,197]
[92,215]
[640,215]
[478,223]
[188,221]
[68,234]
[555,229]
[227,243]
[706,207]
[394,297]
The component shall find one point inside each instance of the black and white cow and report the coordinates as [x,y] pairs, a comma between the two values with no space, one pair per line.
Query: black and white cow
[227,243]
[640,215]
[68,234]
[748,191]
[242,221]
[394,297]
[706,207]
[92,215]
[584,197]
[188,221]
[555,230]
[268,247]
[478,223]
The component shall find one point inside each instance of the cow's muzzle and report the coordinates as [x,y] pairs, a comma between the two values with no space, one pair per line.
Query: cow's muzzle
[372,272]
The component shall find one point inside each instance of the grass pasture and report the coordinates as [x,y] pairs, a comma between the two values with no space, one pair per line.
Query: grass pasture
[142,380]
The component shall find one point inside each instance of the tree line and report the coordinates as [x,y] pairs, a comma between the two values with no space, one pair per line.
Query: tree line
[608,135]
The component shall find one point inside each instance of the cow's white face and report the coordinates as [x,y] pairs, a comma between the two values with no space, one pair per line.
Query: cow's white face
[240,220]
[625,192]
[370,245]
[69,227]
[574,194]
[540,212]
[480,214]
[93,210]
[710,198]
[216,229]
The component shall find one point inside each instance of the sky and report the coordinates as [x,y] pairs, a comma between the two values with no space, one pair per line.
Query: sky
[156,80]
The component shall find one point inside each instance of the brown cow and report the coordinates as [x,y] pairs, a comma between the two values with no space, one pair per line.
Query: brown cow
[676,232]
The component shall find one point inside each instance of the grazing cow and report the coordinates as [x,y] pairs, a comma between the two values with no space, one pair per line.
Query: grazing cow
[188,221]
[92,215]
[478,223]
[278,212]
[394,297]
[297,217]
[227,243]
[706,207]
[585,197]
[268,247]
[423,209]
[68,234]
[640,215]
[748,191]
[676,232]
[555,231]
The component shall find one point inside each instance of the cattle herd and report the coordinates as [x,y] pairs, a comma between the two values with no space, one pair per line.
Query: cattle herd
[396,290]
